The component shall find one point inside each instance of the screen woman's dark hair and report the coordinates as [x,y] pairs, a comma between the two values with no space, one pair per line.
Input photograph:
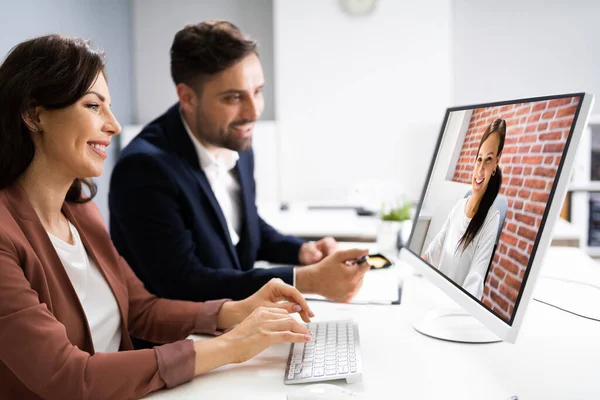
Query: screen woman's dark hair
[207,48]
[493,188]
[53,72]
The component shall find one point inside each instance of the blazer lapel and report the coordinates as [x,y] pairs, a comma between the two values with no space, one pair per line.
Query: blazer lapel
[185,147]
[208,192]
[245,180]
[103,262]
[55,273]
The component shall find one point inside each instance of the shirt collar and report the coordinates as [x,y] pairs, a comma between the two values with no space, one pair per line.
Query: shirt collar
[226,159]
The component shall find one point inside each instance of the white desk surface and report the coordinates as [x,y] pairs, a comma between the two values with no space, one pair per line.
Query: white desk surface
[343,224]
[556,355]
[346,225]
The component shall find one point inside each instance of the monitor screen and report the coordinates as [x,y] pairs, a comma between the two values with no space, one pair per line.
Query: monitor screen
[490,187]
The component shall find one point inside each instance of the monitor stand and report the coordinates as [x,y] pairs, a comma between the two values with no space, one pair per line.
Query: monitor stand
[454,325]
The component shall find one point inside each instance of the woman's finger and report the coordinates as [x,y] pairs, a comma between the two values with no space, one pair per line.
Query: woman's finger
[292,295]
[288,324]
[293,308]
[289,337]
[273,309]
[288,306]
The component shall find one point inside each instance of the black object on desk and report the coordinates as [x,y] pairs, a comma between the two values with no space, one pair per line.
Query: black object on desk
[363,212]
[379,261]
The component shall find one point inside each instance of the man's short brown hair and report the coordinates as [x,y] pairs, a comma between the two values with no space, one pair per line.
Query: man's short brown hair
[207,48]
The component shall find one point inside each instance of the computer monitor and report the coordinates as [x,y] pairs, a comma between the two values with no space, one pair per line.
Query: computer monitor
[495,188]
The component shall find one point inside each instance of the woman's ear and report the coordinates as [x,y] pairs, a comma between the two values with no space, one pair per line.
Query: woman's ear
[498,158]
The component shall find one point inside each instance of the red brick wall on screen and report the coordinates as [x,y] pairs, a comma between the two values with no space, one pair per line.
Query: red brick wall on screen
[535,138]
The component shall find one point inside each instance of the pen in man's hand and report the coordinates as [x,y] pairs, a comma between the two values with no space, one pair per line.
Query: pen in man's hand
[359,260]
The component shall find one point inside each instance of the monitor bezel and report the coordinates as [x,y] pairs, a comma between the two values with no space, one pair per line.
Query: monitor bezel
[508,330]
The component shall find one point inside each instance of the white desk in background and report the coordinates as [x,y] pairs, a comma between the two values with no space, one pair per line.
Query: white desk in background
[346,225]
[556,356]
[565,234]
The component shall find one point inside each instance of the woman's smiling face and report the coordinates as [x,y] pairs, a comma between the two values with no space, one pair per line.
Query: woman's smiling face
[485,163]
[75,138]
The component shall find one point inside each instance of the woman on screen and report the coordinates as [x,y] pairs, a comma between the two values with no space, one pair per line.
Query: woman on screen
[463,248]
[68,301]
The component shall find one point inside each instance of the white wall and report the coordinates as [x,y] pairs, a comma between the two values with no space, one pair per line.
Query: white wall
[266,159]
[359,99]
[514,48]
[106,23]
[155,23]
[442,194]
[462,119]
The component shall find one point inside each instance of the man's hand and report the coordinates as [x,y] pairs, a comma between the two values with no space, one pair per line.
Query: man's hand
[333,277]
[313,252]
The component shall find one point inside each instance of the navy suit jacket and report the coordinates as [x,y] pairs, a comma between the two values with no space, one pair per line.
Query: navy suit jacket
[166,222]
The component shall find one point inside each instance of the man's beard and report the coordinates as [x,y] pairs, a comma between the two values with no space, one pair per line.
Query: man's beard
[237,144]
[227,140]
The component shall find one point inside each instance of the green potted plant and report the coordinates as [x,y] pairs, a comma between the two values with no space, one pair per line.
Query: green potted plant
[401,212]
[393,216]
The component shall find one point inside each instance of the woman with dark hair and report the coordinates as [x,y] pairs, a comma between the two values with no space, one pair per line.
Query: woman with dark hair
[68,301]
[463,248]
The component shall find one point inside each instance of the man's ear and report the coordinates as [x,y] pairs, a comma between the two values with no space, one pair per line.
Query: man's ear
[31,119]
[188,98]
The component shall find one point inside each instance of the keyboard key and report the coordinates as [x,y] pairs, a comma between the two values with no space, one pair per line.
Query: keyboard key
[298,348]
[343,369]
[307,372]
[319,371]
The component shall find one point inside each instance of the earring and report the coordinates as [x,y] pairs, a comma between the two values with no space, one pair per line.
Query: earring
[494,172]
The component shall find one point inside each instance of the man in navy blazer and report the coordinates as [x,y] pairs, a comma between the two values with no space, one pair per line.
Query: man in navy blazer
[182,194]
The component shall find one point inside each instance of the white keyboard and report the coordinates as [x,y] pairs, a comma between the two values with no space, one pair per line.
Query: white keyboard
[332,353]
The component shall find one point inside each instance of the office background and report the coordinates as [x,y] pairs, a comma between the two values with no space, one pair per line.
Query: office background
[349,100]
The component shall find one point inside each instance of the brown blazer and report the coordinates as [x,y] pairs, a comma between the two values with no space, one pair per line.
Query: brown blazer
[46,348]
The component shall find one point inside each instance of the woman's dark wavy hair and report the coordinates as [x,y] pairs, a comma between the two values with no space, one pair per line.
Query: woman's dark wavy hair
[53,72]
[493,188]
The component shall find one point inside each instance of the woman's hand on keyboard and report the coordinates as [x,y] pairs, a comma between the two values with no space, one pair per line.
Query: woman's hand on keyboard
[278,294]
[260,330]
